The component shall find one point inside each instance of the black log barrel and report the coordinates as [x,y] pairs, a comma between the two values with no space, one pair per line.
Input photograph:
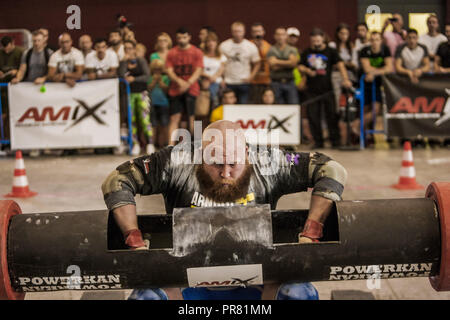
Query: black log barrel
[231,246]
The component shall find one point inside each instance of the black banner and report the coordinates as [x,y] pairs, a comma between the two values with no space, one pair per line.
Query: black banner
[417,108]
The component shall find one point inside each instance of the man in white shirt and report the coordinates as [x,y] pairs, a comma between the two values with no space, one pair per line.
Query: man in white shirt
[411,58]
[433,38]
[101,63]
[116,44]
[66,64]
[243,62]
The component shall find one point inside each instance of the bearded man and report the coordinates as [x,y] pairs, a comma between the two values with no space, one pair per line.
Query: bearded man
[230,172]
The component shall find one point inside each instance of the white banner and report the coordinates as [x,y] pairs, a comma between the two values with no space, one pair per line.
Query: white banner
[280,121]
[63,117]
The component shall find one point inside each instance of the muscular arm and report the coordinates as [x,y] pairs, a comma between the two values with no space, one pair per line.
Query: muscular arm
[328,178]
[126,217]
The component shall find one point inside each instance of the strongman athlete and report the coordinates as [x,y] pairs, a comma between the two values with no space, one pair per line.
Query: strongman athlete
[230,173]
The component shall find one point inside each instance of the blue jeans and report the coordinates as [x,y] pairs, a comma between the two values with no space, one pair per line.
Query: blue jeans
[242,92]
[214,91]
[285,93]
[290,291]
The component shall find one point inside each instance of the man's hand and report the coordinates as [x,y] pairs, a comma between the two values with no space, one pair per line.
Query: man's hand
[15,80]
[129,79]
[184,85]
[133,239]
[71,82]
[39,80]
[310,72]
[370,77]
[417,73]
[347,84]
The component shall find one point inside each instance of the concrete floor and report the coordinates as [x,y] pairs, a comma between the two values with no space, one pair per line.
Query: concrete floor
[73,183]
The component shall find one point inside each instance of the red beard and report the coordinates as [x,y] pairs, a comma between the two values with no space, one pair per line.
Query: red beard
[218,192]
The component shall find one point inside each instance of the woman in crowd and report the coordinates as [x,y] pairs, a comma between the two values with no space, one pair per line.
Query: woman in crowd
[135,70]
[214,66]
[158,86]
[268,96]
[344,46]
[162,47]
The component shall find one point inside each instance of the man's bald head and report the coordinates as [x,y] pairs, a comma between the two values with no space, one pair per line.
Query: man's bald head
[224,142]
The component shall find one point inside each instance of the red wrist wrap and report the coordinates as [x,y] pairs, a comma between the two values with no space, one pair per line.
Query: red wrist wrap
[133,239]
[312,230]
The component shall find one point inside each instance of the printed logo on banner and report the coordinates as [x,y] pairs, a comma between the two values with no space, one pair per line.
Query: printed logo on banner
[49,115]
[417,109]
[84,116]
[225,276]
[285,123]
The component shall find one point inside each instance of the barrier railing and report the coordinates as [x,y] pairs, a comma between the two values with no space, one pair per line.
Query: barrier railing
[360,96]
[128,138]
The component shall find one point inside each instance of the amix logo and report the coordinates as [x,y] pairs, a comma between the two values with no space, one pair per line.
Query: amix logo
[232,282]
[420,106]
[272,124]
[60,116]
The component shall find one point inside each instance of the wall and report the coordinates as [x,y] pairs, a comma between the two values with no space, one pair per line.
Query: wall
[152,17]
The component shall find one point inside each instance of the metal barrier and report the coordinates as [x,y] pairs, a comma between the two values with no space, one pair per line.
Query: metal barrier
[128,138]
[360,96]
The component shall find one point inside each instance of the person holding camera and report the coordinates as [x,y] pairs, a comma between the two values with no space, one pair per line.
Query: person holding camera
[395,37]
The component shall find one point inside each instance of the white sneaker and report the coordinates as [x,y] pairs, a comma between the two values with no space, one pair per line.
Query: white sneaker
[35,153]
[121,149]
[136,150]
[150,149]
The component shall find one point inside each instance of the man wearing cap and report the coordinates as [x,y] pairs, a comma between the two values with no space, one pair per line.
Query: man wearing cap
[230,173]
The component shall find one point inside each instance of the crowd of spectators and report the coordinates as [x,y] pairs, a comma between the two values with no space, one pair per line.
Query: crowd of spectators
[166,82]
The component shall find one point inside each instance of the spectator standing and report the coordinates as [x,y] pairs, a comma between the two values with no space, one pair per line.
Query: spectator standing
[300,83]
[243,62]
[282,59]
[45,32]
[376,60]
[184,65]
[228,97]
[411,58]
[115,43]
[442,58]
[101,63]
[292,40]
[141,50]
[34,61]
[203,33]
[135,70]
[162,47]
[158,86]
[268,96]
[85,44]
[214,66]
[67,63]
[362,39]
[433,38]
[10,56]
[317,63]
[395,37]
[262,77]
[344,46]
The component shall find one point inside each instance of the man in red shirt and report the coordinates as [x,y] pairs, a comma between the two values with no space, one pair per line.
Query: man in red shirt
[184,65]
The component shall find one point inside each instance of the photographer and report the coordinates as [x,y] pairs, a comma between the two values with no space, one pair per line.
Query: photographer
[395,37]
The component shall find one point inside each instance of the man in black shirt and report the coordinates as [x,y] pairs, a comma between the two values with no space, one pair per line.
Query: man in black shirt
[235,174]
[442,59]
[317,63]
[375,61]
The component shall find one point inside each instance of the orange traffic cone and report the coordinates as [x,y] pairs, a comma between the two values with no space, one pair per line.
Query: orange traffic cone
[20,182]
[407,179]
